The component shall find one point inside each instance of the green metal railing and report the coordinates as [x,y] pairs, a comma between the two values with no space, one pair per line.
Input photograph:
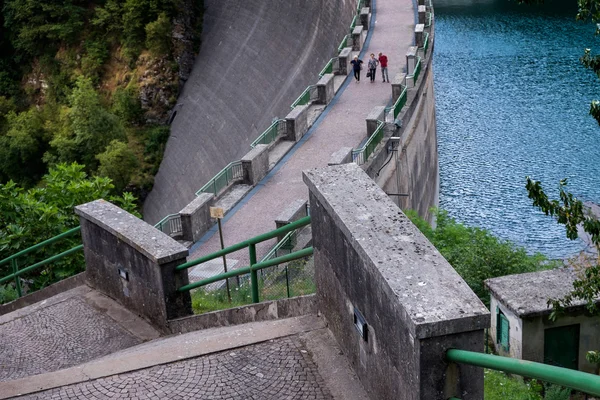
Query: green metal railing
[304,98]
[13,260]
[254,265]
[353,23]
[359,6]
[425,44]
[171,224]
[343,43]
[581,381]
[232,172]
[361,155]
[429,18]
[270,134]
[396,108]
[416,72]
[328,67]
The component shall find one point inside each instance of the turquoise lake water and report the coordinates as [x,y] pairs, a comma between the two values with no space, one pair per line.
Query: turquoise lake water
[512,100]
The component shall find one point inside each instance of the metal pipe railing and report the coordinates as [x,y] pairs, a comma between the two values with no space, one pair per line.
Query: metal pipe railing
[42,244]
[581,381]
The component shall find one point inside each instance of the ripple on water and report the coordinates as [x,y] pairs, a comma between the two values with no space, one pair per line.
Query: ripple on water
[512,100]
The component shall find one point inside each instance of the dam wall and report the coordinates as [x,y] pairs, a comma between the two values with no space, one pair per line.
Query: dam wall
[256,58]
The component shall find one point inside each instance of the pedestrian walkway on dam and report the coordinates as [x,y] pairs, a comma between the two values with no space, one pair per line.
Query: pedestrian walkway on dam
[342,124]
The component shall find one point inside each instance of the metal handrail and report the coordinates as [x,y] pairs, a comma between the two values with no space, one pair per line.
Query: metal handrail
[172,223]
[328,69]
[343,43]
[353,23]
[429,19]
[578,380]
[304,98]
[416,71]
[269,135]
[41,244]
[362,154]
[425,44]
[232,172]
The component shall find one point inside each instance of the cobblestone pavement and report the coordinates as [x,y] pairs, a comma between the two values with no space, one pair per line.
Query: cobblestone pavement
[278,369]
[58,336]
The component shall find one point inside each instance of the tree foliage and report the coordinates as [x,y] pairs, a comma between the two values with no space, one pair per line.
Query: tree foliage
[475,253]
[118,163]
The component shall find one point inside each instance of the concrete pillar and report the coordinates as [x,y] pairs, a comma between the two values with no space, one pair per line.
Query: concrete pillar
[419,28]
[398,85]
[195,217]
[391,300]
[296,123]
[256,164]
[421,3]
[325,89]
[411,62]
[293,212]
[342,156]
[375,115]
[344,60]
[367,3]
[422,14]
[357,38]
[364,17]
[133,263]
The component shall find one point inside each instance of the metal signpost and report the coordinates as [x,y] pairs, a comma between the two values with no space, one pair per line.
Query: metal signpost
[217,212]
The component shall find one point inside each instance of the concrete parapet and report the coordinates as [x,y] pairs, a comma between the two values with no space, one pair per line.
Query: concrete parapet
[422,14]
[375,115]
[255,164]
[411,63]
[344,60]
[133,262]
[325,89]
[357,38]
[296,123]
[367,3]
[398,85]
[419,39]
[392,301]
[195,217]
[342,156]
[364,17]
[293,212]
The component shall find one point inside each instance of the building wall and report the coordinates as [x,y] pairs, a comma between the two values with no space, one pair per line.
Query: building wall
[515,332]
[589,339]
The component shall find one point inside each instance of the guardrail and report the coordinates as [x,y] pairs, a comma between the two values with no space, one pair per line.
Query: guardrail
[271,133]
[328,67]
[343,43]
[425,44]
[254,265]
[429,18]
[416,72]
[306,97]
[396,108]
[361,155]
[171,224]
[581,381]
[353,23]
[18,272]
[232,172]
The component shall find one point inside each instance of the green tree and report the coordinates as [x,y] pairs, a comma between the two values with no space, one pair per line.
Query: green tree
[30,216]
[118,163]
[475,253]
[158,36]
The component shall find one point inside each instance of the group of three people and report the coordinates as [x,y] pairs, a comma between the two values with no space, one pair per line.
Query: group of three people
[372,67]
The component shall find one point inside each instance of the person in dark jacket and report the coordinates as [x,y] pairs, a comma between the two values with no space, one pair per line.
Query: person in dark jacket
[356,67]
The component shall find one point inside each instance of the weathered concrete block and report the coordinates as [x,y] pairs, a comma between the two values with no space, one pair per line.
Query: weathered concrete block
[419,38]
[255,164]
[375,115]
[367,3]
[342,156]
[133,263]
[365,17]
[392,301]
[195,217]
[398,85]
[325,89]
[357,38]
[422,14]
[296,123]
[293,212]
[411,62]
[344,60]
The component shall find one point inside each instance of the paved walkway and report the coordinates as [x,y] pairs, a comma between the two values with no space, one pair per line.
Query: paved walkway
[341,125]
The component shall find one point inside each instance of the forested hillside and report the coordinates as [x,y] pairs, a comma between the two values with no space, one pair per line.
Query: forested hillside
[91,82]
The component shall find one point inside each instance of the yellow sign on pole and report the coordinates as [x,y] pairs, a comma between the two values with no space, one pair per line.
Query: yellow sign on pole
[216,212]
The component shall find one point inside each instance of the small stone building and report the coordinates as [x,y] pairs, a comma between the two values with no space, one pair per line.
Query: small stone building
[521,327]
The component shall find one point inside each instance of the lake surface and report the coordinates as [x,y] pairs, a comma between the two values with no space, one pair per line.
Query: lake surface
[512,100]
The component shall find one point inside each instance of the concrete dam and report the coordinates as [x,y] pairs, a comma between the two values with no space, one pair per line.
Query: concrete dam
[256,58]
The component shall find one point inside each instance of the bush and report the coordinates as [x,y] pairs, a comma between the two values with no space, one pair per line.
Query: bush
[127,105]
[499,386]
[158,36]
[118,163]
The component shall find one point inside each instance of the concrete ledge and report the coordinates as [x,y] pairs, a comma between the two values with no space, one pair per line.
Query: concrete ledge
[325,89]
[364,17]
[256,164]
[195,217]
[342,156]
[293,212]
[344,59]
[398,85]
[296,123]
[43,294]
[375,115]
[265,311]
[422,14]
[357,38]
[419,29]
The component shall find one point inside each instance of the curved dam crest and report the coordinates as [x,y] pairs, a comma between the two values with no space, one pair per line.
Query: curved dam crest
[255,60]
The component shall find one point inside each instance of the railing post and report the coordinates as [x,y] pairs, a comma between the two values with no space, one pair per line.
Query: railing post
[253,275]
[15,269]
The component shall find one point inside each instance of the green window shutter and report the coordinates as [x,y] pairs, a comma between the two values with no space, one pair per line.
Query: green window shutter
[504,332]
